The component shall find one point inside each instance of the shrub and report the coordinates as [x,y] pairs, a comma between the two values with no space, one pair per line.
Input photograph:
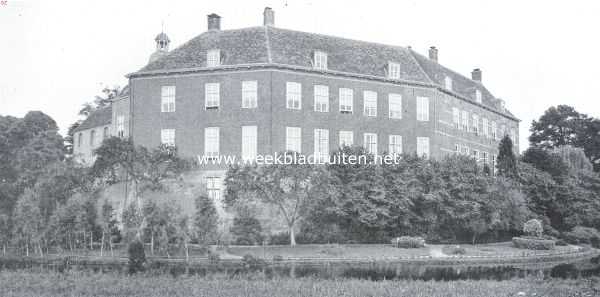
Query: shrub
[213,257]
[454,250]
[252,262]
[247,230]
[580,234]
[408,242]
[533,243]
[533,227]
[137,256]
[277,258]
[561,242]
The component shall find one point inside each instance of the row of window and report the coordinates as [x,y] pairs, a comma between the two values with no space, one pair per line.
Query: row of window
[482,157]
[480,125]
[293,141]
[105,133]
[294,99]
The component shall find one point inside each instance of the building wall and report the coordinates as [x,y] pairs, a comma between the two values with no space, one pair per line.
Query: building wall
[121,108]
[83,149]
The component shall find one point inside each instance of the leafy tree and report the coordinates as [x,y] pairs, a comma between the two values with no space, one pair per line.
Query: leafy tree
[533,227]
[246,229]
[545,160]
[107,224]
[205,220]
[290,188]
[137,256]
[507,161]
[5,231]
[72,220]
[27,225]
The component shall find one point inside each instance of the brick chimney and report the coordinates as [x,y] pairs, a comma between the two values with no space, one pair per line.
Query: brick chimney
[433,53]
[269,16]
[476,74]
[214,22]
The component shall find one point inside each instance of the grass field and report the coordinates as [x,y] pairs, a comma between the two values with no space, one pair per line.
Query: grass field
[33,284]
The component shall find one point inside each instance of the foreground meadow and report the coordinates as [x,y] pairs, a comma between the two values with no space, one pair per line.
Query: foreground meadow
[77,283]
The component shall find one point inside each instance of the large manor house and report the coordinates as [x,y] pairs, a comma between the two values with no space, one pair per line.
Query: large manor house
[260,90]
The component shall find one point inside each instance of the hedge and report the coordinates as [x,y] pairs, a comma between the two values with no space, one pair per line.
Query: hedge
[408,242]
[533,243]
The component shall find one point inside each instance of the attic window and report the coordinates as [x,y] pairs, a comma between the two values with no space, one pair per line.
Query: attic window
[213,58]
[393,70]
[448,83]
[478,96]
[320,60]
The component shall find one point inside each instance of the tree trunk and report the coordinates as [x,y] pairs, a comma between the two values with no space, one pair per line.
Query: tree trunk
[152,243]
[27,249]
[474,236]
[187,253]
[4,249]
[91,241]
[40,250]
[292,236]
[102,244]
[110,244]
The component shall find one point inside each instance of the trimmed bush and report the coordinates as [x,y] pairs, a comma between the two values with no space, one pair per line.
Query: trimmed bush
[580,234]
[454,250]
[137,256]
[533,227]
[532,243]
[408,242]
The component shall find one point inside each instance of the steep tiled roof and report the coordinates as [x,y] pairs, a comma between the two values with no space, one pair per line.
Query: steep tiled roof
[275,46]
[100,117]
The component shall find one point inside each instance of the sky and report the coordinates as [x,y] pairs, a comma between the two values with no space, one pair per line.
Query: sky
[57,55]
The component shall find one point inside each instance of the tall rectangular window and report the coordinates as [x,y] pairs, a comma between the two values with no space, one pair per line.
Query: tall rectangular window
[121,126]
[105,133]
[395,144]
[321,143]
[293,95]
[464,120]
[80,139]
[212,95]
[320,60]
[422,109]
[423,147]
[167,99]
[249,94]
[346,100]
[92,137]
[456,117]
[249,142]
[293,139]
[371,143]
[393,70]
[478,96]
[395,106]
[321,98]
[494,130]
[167,137]
[475,124]
[484,127]
[346,138]
[513,136]
[213,58]
[211,141]
[484,157]
[370,102]
[213,188]
[493,157]
[475,155]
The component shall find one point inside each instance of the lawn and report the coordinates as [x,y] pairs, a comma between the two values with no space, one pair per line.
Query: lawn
[32,284]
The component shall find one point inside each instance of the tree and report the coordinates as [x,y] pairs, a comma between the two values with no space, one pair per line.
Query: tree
[289,188]
[205,220]
[507,161]
[107,224]
[246,229]
[27,228]
[5,231]
[533,227]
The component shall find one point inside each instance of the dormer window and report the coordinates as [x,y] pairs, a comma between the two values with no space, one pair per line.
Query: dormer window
[478,96]
[448,83]
[393,70]
[213,58]
[320,60]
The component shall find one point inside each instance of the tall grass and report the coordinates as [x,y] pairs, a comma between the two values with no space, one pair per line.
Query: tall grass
[80,283]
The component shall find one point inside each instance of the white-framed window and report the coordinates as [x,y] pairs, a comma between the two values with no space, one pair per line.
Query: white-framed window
[167,99]
[457,148]
[249,94]
[293,95]
[513,136]
[293,139]
[493,157]
[464,120]
[167,137]
[456,117]
[484,157]
[370,103]
[320,60]
[346,100]
[423,147]
[249,142]
[478,96]
[484,127]
[92,137]
[212,95]
[213,58]
[346,138]
[422,109]
[121,126]
[211,141]
[395,144]
[213,188]
[370,141]
[448,83]
[321,98]
[395,106]
[321,143]
[475,124]
[393,70]
[494,130]
[464,150]
[475,155]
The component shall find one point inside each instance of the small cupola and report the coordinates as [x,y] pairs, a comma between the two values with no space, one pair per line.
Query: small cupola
[162,46]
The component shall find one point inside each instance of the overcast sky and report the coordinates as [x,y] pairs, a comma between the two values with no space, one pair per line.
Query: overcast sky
[56,55]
